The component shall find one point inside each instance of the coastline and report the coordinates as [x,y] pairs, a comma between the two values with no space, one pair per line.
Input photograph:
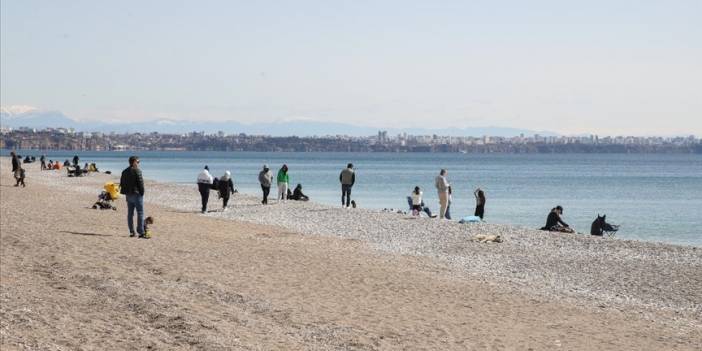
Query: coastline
[654,282]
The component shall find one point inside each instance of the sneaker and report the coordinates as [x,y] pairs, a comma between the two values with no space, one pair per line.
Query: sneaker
[224,209]
[131,235]
[143,237]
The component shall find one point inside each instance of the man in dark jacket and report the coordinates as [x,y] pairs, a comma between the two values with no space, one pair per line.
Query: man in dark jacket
[16,166]
[347,178]
[132,186]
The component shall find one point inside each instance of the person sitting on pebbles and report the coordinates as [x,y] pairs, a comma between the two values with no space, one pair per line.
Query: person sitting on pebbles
[554,223]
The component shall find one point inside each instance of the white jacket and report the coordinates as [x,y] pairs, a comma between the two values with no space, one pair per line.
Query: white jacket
[417,198]
[204,177]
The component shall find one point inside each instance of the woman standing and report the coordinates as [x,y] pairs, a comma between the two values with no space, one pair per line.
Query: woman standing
[479,203]
[283,181]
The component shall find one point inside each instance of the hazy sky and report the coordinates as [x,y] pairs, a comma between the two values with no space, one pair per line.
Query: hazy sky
[609,67]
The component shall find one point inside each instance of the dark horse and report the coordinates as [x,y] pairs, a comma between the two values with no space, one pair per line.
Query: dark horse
[600,227]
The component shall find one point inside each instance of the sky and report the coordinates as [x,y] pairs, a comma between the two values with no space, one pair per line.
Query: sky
[605,67]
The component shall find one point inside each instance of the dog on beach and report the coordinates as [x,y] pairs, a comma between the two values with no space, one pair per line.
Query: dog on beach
[147,222]
[484,238]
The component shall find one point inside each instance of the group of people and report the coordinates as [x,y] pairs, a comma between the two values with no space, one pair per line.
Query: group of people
[132,186]
[445,193]
[223,185]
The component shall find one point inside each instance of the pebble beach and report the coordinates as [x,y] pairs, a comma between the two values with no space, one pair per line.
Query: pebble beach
[654,283]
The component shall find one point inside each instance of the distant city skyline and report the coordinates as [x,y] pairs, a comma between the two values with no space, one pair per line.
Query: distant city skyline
[600,67]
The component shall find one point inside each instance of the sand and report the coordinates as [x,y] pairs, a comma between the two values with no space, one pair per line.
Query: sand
[71,278]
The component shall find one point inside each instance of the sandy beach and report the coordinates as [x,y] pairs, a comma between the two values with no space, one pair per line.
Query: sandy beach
[304,276]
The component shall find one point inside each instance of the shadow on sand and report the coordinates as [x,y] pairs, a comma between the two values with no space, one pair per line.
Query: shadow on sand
[85,234]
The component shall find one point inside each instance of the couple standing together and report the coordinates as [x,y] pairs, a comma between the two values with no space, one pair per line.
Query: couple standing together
[443,187]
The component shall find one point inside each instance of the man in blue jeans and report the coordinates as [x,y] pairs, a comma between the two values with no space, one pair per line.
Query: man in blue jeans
[132,187]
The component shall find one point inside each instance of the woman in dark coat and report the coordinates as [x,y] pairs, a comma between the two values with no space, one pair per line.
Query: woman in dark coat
[226,188]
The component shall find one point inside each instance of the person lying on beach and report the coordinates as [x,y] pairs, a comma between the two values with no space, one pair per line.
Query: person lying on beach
[554,223]
[297,194]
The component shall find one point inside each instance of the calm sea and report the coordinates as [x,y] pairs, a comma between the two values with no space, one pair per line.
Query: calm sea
[653,197]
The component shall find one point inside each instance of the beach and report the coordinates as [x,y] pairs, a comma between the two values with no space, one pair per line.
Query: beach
[315,277]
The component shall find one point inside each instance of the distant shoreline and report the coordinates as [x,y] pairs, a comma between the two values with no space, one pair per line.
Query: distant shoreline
[63,139]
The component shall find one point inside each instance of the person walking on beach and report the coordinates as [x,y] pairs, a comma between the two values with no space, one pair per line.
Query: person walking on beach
[131,185]
[347,178]
[266,179]
[226,188]
[75,160]
[442,187]
[16,163]
[283,181]
[42,159]
[479,202]
[204,184]
[20,178]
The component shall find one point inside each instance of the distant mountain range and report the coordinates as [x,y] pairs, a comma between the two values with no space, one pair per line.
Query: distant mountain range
[54,119]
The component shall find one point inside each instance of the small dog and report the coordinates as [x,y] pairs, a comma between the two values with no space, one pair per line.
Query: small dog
[483,238]
[147,222]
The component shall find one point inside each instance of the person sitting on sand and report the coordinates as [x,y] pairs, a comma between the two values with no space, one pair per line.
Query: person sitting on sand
[554,223]
[225,188]
[297,194]
[416,202]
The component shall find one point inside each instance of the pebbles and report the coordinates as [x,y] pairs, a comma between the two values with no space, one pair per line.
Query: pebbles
[583,269]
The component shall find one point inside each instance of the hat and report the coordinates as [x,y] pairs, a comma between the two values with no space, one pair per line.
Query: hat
[265,166]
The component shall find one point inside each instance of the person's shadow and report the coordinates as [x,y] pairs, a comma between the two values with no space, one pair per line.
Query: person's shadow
[85,234]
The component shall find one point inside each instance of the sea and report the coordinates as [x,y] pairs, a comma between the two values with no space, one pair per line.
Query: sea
[653,197]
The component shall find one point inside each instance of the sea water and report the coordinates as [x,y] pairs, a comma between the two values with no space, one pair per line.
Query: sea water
[654,197]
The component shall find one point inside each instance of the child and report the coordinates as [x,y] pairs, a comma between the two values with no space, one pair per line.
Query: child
[148,221]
